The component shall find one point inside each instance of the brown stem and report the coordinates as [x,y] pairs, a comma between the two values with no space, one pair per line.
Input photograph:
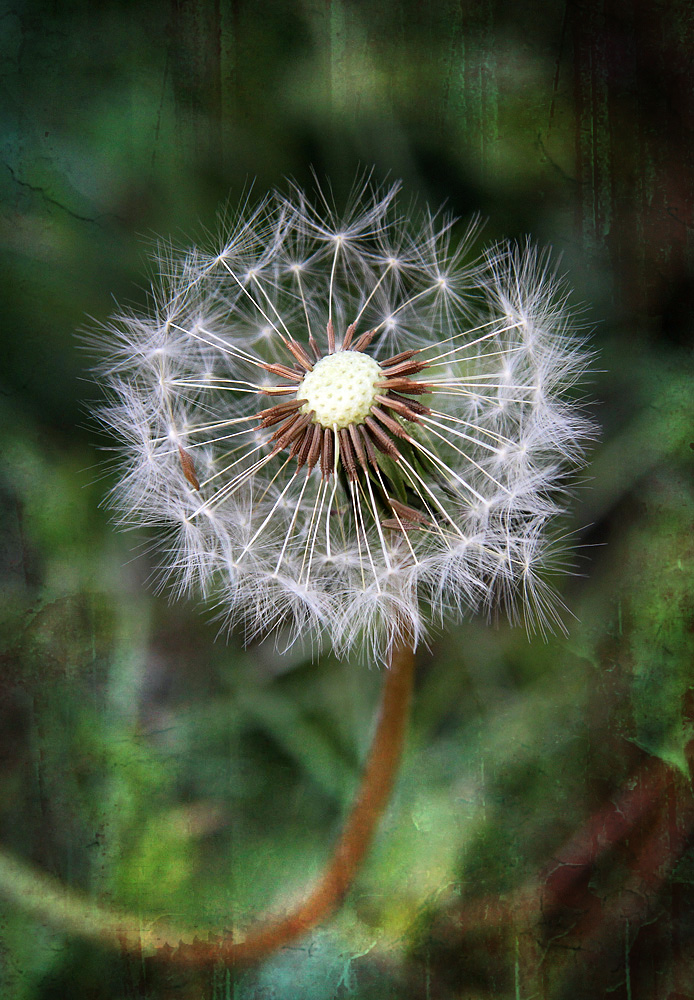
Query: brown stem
[50,901]
[355,840]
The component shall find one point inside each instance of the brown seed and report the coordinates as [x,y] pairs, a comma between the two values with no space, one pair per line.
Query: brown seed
[405,369]
[274,414]
[381,439]
[301,451]
[398,358]
[364,340]
[291,420]
[288,405]
[357,446]
[403,409]
[395,525]
[391,423]
[298,445]
[413,404]
[302,448]
[300,355]
[282,371]
[293,431]
[347,455]
[188,467]
[278,390]
[327,454]
[405,385]
[330,330]
[348,336]
[313,344]
[406,513]
[316,444]
[366,441]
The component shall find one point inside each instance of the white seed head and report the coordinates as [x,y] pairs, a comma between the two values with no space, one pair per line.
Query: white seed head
[341,389]
[341,430]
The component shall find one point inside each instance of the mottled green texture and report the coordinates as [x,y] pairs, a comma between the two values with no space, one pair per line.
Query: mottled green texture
[661,615]
[155,766]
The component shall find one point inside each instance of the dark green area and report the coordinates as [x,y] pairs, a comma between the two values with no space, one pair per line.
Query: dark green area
[151,764]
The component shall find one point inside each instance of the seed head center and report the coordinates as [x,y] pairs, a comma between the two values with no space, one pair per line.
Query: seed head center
[341,389]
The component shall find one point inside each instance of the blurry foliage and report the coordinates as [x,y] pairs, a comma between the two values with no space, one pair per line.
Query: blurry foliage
[160,768]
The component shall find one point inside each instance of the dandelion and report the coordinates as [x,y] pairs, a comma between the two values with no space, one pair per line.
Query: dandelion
[343,430]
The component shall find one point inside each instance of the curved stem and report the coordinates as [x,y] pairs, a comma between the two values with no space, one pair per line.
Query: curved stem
[49,900]
[355,840]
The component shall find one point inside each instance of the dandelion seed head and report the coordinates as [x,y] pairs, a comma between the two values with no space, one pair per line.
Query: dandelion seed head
[342,430]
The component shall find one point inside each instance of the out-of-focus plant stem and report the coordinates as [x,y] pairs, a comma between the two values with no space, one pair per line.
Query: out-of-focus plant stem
[52,902]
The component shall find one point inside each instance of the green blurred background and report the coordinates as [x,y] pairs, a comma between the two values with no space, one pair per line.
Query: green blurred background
[156,767]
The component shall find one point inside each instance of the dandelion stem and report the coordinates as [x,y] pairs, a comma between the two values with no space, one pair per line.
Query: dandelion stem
[49,901]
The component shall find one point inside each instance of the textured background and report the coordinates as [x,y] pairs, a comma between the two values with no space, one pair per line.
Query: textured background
[538,844]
